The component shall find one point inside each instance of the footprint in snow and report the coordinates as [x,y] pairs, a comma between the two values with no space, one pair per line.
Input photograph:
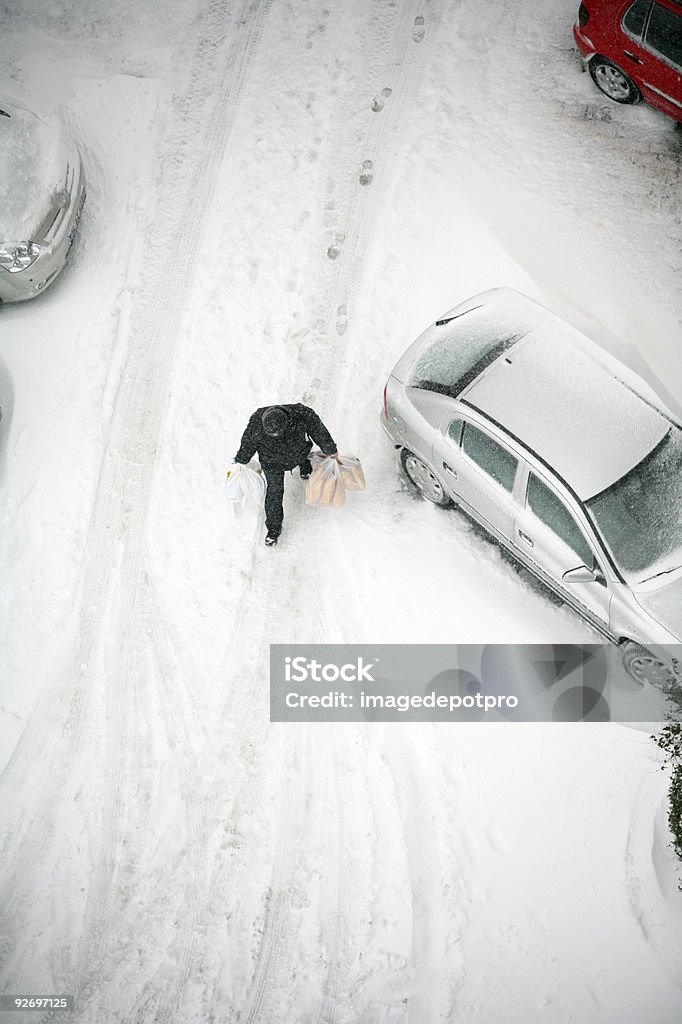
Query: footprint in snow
[366,173]
[334,250]
[318,30]
[379,100]
[342,319]
[309,393]
[419,30]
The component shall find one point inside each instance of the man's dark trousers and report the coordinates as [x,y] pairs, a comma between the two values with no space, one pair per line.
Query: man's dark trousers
[274,495]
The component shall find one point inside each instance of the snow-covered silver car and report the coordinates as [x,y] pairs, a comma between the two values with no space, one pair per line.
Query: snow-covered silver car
[562,454]
[42,192]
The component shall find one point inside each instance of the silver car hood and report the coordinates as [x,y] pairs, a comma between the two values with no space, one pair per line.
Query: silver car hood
[34,154]
[664,603]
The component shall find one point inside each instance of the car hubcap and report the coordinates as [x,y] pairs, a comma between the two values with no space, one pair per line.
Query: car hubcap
[612,81]
[423,479]
[647,669]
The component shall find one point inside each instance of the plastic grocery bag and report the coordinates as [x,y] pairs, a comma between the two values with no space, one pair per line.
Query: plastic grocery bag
[331,478]
[245,482]
[352,477]
[325,486]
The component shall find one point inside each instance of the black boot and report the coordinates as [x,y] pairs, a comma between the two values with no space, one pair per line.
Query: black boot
[271,539]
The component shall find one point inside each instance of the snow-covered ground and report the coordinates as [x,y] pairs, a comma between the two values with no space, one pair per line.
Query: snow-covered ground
[167,853]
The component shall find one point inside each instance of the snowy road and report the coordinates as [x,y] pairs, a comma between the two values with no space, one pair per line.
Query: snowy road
[281,196]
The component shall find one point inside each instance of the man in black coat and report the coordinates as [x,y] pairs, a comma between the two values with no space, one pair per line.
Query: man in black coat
[283,436]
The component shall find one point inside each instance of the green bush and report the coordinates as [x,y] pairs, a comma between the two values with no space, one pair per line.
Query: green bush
[670,741]
[675,809]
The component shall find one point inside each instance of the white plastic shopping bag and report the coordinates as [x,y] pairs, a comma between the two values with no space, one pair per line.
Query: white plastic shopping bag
[245,482]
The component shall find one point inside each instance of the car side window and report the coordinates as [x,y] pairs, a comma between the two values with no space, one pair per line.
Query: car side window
[550,509]
[490,456]
[455,431]
[635,17]
[664,33]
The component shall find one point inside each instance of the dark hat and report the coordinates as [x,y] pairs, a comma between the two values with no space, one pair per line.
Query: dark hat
[275,421]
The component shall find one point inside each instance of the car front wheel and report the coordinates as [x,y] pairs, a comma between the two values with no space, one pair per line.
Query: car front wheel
[646,667]
[425,481]
[613,81]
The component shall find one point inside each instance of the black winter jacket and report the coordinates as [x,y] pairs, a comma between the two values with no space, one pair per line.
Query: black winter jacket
[293,447]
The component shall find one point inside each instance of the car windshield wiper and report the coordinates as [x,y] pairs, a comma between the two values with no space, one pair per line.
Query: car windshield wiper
[663,572]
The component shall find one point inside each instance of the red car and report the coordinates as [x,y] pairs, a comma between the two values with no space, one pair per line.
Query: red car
[633,50]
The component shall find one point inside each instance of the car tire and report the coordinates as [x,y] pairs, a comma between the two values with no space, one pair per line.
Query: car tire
[424,480]
[645,667]
[613,81]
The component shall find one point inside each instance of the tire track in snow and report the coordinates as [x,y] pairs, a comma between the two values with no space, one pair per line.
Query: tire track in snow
[207,110]
[299,830]
[434,853]
[221,23]
[337,986]
[181,727]
[289,837]
[436,968]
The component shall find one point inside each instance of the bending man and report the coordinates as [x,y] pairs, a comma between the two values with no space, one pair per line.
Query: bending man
[283,436]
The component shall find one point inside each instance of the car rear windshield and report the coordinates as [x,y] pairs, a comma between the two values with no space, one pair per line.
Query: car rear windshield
[465,346]
[640,516]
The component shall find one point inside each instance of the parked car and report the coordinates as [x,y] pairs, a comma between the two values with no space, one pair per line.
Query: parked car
[562,454]
[633,50]
[42,192]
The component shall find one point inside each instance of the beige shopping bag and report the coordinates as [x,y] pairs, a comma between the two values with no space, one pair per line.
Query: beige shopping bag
[325,486]
[352,477]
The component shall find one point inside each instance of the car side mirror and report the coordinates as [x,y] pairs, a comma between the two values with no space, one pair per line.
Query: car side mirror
[581,574]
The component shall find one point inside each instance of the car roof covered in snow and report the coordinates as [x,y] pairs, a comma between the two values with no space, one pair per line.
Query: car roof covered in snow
[569,409]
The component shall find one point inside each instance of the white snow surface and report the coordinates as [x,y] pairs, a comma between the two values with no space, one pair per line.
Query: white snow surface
[167,854]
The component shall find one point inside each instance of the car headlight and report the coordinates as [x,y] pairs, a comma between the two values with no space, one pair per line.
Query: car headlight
[17,256]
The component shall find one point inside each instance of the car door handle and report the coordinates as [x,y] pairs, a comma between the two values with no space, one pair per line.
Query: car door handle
[450,470]
[632,57]
[529,540]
